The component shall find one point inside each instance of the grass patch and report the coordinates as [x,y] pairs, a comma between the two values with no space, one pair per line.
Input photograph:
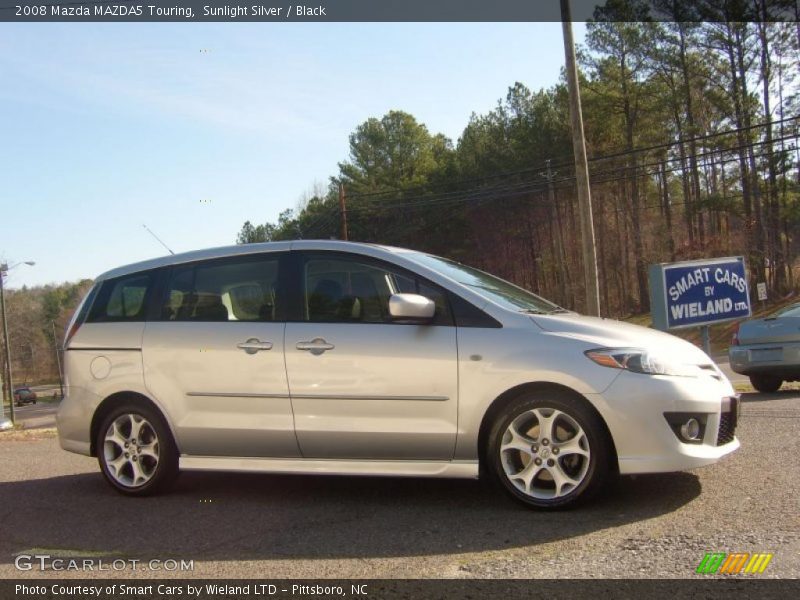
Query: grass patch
[48,400]
[20,434]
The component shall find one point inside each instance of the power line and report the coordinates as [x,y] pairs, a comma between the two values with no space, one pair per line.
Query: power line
[556,165]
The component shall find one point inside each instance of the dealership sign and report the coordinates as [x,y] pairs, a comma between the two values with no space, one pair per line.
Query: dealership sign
[698,292]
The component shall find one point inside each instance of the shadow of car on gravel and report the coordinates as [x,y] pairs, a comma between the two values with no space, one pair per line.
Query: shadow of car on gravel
[248,516]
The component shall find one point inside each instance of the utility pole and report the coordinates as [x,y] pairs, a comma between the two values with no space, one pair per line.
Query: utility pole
[9,383]
[581,167]
[58,360]
[5,423]
[562,266]
[343,210]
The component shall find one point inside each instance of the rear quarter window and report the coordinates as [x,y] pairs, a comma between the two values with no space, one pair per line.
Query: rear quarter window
[122,299]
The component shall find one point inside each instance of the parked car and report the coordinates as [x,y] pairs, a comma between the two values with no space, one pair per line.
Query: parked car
[768,350]
[327,357]
[24,395]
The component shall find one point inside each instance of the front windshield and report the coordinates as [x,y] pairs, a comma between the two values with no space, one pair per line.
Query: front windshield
[792,310]
[490,287]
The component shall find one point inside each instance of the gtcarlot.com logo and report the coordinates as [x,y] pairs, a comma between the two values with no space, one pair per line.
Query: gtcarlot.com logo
[733,564]
[46,562]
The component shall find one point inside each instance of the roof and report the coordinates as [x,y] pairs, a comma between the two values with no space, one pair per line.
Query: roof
[245,249]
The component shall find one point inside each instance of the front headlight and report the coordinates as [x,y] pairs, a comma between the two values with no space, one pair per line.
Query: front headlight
[640,360]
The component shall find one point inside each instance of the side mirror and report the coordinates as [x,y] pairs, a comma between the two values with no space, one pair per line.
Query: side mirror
[411,306]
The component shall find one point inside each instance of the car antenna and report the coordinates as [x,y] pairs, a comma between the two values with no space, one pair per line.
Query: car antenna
[158,238]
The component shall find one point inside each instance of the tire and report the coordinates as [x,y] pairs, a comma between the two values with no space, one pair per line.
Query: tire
[136,451]
[766,383]
[572,467]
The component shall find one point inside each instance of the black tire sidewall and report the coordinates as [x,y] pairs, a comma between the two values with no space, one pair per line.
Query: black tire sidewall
[597,439]
[167,468]
[766,384]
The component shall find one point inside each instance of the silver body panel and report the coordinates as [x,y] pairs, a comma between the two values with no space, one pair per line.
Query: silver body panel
[383,391]
[223,401]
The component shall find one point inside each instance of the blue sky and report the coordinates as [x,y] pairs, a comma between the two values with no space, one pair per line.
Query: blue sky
[195,128]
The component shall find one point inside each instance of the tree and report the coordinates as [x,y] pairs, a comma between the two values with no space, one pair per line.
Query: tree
[620,72]
[392,153]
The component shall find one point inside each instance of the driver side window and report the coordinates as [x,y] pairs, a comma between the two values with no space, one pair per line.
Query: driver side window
[353,290]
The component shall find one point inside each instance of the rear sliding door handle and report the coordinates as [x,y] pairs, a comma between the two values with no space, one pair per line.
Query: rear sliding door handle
[254,345]
[316,346]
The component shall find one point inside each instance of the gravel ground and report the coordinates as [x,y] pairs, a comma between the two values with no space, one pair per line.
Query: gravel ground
[242,525]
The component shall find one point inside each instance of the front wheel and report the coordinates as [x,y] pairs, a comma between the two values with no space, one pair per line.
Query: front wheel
[766,383]
[136,452]
[548,450]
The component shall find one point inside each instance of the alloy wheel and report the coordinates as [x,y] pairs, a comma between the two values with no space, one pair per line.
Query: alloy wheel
[545,453]
[131,450]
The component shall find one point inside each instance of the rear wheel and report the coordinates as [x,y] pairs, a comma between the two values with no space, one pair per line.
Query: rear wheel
[548,450]
[136,452]
[766,383]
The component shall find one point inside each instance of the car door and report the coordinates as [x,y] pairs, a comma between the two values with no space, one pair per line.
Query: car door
[214,358]
[364,386]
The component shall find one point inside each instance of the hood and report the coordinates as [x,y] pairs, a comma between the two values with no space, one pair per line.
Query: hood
[608,333]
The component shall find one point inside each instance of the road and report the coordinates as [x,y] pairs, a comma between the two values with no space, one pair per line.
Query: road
[36,416]
[248,525]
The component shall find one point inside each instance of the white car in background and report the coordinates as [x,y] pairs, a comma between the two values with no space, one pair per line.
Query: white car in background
[354,359]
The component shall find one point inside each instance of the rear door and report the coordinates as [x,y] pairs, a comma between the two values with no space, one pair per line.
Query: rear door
[364,386]
[214,357]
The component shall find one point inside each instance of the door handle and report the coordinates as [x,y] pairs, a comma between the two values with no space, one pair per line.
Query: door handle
[316,346]
[254,345]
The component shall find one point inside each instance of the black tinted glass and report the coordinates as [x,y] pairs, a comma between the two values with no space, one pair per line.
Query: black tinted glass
[231,290]
[122,299]
[349,290]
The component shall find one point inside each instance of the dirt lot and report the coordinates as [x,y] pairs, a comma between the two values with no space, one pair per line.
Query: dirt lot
[288,527]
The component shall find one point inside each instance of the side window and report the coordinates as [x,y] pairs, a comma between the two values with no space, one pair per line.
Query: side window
[122,299]
[351,290]
[242,289]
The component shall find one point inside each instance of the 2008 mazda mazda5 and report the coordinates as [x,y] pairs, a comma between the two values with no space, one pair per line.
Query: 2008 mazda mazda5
[355,359]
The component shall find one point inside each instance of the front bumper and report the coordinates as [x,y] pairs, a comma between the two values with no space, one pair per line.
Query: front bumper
[634,408]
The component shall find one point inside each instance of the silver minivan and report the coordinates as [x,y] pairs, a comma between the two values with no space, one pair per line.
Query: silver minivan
[331,357]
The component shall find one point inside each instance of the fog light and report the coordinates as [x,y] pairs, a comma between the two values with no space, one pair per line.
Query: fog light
[691,430]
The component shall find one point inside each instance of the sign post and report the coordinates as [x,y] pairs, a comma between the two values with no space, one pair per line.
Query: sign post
[699,293]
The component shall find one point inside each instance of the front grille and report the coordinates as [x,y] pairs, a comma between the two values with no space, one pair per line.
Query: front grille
[727,423]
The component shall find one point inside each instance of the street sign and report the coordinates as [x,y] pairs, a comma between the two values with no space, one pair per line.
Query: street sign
[698,292]
[761,288]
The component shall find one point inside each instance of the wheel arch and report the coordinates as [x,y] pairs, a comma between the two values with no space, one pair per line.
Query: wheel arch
[108,404]
[499,403]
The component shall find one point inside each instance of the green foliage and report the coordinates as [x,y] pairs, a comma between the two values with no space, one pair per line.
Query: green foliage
[678,161]
[392,153]
[37,317]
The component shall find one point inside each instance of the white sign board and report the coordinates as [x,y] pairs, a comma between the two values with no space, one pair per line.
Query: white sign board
[762,290]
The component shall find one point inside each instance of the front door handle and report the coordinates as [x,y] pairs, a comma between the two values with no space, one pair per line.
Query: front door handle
[316,346]
[254,345]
